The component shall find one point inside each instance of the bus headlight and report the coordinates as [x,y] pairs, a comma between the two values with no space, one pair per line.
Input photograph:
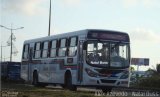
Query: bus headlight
[91,73]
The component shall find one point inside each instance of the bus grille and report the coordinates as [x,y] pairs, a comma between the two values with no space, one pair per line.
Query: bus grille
[108,81]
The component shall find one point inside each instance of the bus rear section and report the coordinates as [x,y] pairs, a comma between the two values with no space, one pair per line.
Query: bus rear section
[98,58]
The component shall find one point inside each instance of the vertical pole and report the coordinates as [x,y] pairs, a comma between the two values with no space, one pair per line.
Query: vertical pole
[49,19]
[137,67]
[0,69]
[11,46]
[137,70]
[1,53]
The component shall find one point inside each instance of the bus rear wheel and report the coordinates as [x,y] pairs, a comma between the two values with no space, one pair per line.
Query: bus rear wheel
[35,78]
[35,82]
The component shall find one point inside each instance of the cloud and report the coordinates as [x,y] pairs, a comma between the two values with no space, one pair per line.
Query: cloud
[142,34]
[28,7]
[32,7]
[129,3]
[72,2]
[145,3]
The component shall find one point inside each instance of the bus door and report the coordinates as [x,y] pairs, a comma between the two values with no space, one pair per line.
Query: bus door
[30,62]
[80,62]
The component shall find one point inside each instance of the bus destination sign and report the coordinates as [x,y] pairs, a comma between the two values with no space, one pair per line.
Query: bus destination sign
[109,36]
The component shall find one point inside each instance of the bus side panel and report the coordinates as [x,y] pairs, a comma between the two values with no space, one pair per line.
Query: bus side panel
[50,73]
[53,72]
[74,77]
[59,77]
[43,72]
[24,72]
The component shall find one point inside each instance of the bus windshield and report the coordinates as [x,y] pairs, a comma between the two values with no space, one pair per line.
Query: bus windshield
[108,54]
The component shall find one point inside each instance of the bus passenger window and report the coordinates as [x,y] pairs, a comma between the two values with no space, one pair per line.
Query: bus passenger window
[73,46]
[37,51]
[62,49]
[25,51]
[53,48]
[45,49]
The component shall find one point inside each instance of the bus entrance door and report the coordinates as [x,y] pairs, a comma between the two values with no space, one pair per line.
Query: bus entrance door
[80,62]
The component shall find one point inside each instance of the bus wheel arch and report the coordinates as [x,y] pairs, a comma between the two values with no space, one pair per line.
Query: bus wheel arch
[68,81]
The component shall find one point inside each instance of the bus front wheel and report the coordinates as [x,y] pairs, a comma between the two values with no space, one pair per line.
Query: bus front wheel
[68,83]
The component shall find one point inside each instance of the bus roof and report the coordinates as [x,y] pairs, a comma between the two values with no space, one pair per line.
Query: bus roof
[63,35]
[74,33]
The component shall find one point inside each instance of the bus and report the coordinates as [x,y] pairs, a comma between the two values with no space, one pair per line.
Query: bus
[78,59]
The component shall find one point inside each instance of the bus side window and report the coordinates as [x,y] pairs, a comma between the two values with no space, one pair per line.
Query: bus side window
[53,49]
[25,51]
[62,48]
[73,46]
[45,49]
[37,49]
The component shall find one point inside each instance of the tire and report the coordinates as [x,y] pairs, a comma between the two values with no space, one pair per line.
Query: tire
[68,83]
[35,79]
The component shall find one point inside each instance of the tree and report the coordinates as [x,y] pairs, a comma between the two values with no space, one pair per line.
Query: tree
[132,69]
[158,68]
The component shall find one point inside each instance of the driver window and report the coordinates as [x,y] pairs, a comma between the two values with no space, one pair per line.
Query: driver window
[98,53]
[92,54]
[103,50]
[114,50]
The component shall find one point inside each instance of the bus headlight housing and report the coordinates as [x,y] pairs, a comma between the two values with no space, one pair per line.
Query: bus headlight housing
[91,73]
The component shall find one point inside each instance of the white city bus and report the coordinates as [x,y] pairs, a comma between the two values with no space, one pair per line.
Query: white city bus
[78,59]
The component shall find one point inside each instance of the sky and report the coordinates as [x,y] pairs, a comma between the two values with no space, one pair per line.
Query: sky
[139,18]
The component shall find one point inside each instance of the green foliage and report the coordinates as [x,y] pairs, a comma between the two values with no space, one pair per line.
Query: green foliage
[151,82]
[132,69]
[158,68]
